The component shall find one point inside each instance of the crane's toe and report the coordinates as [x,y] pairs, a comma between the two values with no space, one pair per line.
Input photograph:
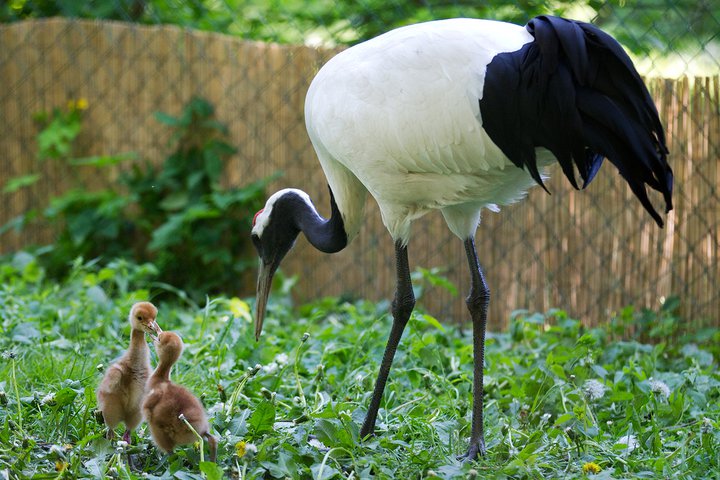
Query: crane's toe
[475,450]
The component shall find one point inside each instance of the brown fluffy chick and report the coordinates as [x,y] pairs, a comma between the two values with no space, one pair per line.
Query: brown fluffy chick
[165,401]
[122,390]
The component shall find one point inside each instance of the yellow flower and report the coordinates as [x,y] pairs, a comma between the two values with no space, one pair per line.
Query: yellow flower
[240,448]
[240,309]
[591,467]
[79,104]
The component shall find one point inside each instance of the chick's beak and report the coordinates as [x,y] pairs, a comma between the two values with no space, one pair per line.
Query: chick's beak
[154,330]
[264,282]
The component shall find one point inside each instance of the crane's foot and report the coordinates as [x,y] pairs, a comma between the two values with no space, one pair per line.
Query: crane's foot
[475,450]
[367,432]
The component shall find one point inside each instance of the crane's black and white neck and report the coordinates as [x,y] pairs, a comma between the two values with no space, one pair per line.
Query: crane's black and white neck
[275,228]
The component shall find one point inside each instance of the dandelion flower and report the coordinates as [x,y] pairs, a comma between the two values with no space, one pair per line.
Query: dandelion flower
[81,104]
[594,389]
[61,466]
[243,448]
[660,388]
[591,467]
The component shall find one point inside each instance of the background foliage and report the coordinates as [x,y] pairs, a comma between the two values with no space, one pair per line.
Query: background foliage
[177,215]
[666,37]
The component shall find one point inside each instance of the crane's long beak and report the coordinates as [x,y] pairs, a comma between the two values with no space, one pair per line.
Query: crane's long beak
[264,282]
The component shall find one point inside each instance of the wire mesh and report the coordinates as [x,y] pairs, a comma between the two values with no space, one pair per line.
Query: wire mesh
[589,252]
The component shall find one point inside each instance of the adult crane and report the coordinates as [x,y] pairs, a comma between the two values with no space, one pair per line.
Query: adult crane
[459,115]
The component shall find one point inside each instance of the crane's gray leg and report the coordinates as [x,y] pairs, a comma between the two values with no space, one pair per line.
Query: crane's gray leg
[402,307]
[477,302]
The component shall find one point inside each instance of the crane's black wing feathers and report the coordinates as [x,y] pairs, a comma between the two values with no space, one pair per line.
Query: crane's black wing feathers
[574,91]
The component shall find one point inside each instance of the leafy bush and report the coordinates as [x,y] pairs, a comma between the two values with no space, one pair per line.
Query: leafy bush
[177,216]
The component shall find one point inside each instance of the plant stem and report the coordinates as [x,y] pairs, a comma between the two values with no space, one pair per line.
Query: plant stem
[202,446]
[17,397]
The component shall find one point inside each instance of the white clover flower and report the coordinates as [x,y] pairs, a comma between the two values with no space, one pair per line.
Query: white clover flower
[630,442]
[314,442]
[56,450]
[545,417]
[659,387]
[706,426]
[217,408]
[594,389]
[48,399]
[270,368]
[359,378]
[281,358]
[122,444]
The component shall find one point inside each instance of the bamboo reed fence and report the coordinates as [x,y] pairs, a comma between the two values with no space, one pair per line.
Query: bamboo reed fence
[590,252]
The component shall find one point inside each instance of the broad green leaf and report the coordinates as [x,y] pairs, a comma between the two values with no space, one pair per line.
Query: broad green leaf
[433,321]
[212,470]
[175,201]
[621,396]
[103,160]
[262,419]
[65,396]
[16,183]
[565,417]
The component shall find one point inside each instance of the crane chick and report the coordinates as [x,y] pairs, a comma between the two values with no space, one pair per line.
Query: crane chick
[122,390]
[166,401]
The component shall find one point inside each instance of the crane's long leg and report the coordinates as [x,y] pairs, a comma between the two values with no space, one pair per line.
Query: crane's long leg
[477,302]
[402,307]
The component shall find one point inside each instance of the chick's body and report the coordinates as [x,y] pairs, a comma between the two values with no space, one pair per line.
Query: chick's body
[121,392]
[166,401]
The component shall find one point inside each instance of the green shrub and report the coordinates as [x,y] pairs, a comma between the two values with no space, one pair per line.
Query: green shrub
[177,216]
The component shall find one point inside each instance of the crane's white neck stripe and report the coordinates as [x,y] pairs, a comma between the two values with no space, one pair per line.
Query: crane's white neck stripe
[263,218]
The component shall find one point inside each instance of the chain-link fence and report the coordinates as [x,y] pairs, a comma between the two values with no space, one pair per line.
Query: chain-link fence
[589,252]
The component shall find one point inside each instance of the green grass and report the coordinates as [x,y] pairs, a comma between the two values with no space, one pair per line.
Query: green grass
[558,396]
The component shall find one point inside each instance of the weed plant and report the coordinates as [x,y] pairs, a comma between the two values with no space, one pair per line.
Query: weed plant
[561,401]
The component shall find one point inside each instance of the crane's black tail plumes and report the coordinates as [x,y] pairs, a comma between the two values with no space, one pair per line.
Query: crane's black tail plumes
[574,91]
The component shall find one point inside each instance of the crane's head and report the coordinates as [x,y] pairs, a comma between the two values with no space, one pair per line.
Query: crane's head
[274,230]
[142,317]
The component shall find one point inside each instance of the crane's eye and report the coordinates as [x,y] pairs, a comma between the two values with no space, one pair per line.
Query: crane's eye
[256,215]
[139,317]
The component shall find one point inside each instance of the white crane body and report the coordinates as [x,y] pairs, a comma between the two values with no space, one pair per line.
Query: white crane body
[410,99]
